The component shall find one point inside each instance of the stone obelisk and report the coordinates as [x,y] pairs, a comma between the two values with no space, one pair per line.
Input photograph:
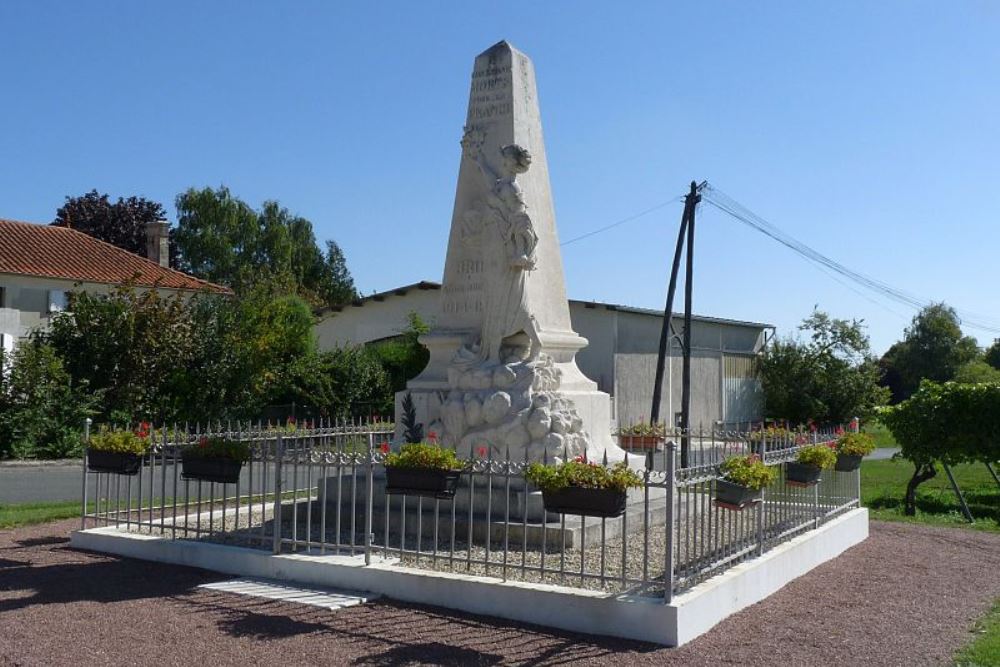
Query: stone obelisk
[502,372]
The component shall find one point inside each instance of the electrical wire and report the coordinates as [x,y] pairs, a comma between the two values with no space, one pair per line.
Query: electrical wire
[727,204]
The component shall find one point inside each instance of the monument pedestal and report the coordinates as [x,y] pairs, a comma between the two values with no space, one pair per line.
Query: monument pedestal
[522,521]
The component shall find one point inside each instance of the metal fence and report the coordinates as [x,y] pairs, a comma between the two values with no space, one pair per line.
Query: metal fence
[322,491]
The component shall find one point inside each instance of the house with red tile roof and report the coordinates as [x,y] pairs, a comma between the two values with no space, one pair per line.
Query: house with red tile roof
[39,264]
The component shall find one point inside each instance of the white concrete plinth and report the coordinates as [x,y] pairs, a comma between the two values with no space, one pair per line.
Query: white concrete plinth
[592,612]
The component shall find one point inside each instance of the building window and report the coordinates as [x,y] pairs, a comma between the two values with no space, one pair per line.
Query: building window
[57,300]
[3,297]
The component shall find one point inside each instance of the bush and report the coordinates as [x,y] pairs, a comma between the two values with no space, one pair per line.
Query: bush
[119,441]
[42,409]
[424,456]
[855,444]
[820,456]
[748,471]
[583,474]
[218,448]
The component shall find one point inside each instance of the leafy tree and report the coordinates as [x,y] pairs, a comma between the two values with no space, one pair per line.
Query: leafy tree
[992,355]
[946,423]
[832,377]
[42,409]
[976,372]
[222,239]
[402,358]
[122,223]
[933,348]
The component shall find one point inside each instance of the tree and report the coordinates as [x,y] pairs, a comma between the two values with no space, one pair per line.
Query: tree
[977,372]
[222,239]
[933,348]
[402,358]
[122,223]
[992,355]
[42,409]
[946,423]
[832,377]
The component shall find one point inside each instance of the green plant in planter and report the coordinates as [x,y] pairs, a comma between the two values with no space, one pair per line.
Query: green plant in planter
[118,441]
[215,447]
[855,444]
[820,456]
[748,471]
[581,474]
[423,456]
[644,430]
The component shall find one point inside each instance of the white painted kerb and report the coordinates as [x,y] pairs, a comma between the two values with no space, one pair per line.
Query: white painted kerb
[590,612]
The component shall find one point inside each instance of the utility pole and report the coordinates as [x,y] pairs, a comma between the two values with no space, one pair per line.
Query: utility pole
[686,233]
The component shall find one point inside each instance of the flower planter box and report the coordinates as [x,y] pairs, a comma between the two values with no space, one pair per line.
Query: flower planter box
[113,462]
[735,496]
[604,503]
[848,462]
[643,442]
[223,471]
[428,483]
[801,474]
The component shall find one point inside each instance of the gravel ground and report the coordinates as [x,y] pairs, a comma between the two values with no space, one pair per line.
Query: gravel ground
[906,596]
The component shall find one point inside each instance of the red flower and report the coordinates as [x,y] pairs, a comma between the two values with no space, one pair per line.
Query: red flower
[578,458]
[385,447]
[432,436]
[482,452]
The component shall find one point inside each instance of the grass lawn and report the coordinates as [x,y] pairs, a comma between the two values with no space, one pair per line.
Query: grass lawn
[12,516]
[883,484]
[883,436]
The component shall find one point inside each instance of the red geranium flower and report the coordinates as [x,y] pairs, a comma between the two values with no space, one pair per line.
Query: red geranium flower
[432,436]
[385,447]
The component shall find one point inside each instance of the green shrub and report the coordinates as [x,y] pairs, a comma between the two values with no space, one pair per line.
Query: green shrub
[820,456]
[42,409]
[119,441]
[425,456]
[214,447]
[748,471]
[855,444]
[586,475]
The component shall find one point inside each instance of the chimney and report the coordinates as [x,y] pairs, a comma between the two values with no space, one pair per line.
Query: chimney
[158,242]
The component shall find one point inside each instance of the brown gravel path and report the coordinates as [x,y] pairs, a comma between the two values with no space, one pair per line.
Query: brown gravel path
[904,597]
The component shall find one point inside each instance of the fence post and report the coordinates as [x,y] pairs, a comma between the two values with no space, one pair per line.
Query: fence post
[86,442]
[668,561]
[856,423]
[279,455]
[369,493]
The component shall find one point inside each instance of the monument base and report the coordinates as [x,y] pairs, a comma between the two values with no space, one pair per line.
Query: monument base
[485,508]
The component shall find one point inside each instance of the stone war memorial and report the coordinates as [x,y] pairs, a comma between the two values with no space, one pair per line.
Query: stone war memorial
[502,416]
[502,372]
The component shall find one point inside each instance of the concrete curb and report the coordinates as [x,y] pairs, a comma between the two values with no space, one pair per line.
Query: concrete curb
[592,612]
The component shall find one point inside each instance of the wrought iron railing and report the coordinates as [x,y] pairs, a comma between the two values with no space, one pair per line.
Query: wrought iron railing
[321,491]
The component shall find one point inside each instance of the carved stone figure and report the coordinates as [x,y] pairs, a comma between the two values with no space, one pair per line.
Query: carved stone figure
[500,226]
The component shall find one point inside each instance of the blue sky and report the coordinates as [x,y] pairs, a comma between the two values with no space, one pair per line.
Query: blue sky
[871,131]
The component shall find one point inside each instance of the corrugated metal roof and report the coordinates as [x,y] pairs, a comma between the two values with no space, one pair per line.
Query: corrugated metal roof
[431,285]
[46,251]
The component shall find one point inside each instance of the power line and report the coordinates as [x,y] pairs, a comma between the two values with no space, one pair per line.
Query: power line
[630,218]
[733,208]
